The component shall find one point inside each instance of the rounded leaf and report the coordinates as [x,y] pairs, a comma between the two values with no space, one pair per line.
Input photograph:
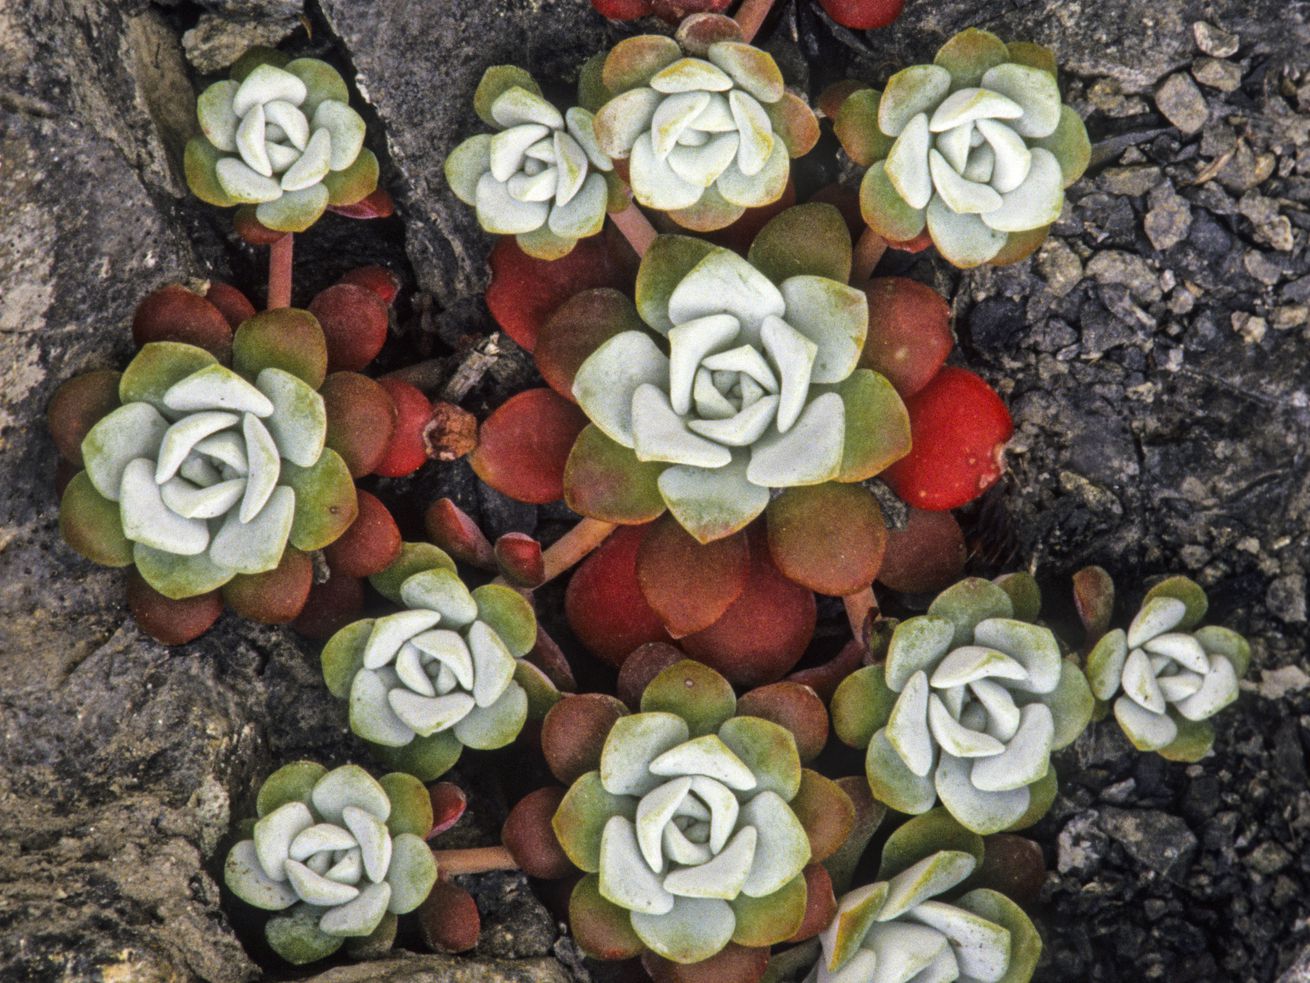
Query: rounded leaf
[524,445]
[529,838]
[275,597]
[414,558]
[326,504]
[829,538]
[91,525]
[168,621]
[825,811]
[927,555]
[604,602]
[407,449]
[286,338]
[604,480]
[361,419]
[602,929]
[774,918]
[694,692]
[574,731]
[581,817]
[577,328]
[354,324]
[669,558]
[793,706]
[909,332]
[174,313]
[426,758]
[369,545]
[808,239]
[861,706]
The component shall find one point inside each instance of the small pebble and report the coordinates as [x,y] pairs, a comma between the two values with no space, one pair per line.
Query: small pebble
[1214,41]
[1181,103]
[1217,74]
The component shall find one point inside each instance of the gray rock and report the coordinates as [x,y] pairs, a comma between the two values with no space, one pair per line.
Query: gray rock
[216,42]
[1059,266]
[1129,269]
[1154,839]
[1215,41]
[1181,103]
[1169,219]
[1287,598]
[447,969]
[1217,74]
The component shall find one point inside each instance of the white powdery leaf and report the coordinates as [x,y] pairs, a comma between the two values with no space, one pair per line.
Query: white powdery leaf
[1026,757]
[274,834]
[149,521]
[625,878]
[1157,616]
[392,631]
[607,381]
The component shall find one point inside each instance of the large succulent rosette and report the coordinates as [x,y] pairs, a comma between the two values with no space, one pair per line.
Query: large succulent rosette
[975,147]
[705,122]
[696,827]
[338,854]
[542,177]
[902,928]
[968,707]
[1169,675]
[280,135]
[445,673]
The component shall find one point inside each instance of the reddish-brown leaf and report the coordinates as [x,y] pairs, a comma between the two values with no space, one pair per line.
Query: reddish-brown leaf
[519,558]
[927,555]
[174,313]
[528,836]
[451,528]
[354,322]
[687,583]
[829,538]
[524,445]
[406,452]
[276,597]
[604,603]
[909,332]
[448,921]
[168,621]
[574,732]
[369,544]
[792,705]
[331,606]
[77,406]
[361,420]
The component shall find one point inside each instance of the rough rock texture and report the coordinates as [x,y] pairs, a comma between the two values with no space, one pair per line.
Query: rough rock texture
[1153,352]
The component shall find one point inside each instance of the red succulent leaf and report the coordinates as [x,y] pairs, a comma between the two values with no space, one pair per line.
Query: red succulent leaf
[275,597]
[733,964]
[174,313]
[601,928]
[826,812]
[765,631]
[577,328]
[369,544]
[451,528]
[331,606]
[863,15]
[519,557]
[959,428]
[448,806]
[379,279]
[168,621]
[1012,865]
[794,706]
[829,538]
[820,903]
[574,732]
[252,230]
[604,603]
[909,332]
[524,445]
[1093,597]
[671,560]
[354,322]
[641,666]
[547,656]
[379,204]
[448,921]
[845,199]
[916,245]
[234,305]
[406,452]
[673,11]
[622,9]
[361,420]
[77,406]
[524,292]
[824,679]
[927,555]
[528,836]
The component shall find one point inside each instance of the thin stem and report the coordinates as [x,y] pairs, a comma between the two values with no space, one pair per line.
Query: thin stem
[868,253]
[636,228]
[858,606]
[279,272]
[474,860]
[572,548]
[750,15]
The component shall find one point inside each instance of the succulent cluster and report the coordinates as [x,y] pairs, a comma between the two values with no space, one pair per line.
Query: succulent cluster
[1169,675]
[339,852]
[542,177]
[976,148]
[440,675]
[280,135]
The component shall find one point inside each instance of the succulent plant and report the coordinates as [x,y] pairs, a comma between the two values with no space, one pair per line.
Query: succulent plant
[975,147]
[863,15]
[339,854]
[695,822]
[542,177]
[705,122]
[970,703]
[1170,675]
[445,673]
[280,135]
[900,928]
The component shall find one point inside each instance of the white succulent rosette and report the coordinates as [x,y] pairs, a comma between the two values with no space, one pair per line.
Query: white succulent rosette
[203,466]
[338,851]
[1169,679]
[708,131]
[900,930]
[283,138]
[756,391]
[542,177]
[968,708]
[977,146]
[443,674]
[694,837]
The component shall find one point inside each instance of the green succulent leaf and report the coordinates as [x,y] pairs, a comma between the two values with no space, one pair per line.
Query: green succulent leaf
[414,558]
[343,656]
[326,504]
[426,758]
[809,240]
[580,820]
[510,616]
[861,706]
[694,692]
[90,524]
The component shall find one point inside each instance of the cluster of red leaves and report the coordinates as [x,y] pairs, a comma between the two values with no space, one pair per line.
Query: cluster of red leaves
[375,425]
[742,604]
[859,15]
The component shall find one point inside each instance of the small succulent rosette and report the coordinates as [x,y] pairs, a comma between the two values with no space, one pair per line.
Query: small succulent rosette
[337,854]
[445,673]
[975,147]
[280,135]
[542,176]
[970,703]
[696,826]
[705,122]
[1169,675]
[903,928]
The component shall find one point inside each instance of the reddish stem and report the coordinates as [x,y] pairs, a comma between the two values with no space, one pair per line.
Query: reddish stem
[636,228]
[279,272]
[868,253]
[858,606]
[572,548]
[750,15]
[474,860]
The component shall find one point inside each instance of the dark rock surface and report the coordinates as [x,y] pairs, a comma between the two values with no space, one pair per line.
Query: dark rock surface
[1154,354]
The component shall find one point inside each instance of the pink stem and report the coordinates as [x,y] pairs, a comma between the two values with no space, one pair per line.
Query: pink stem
[279,272]
[750,15]
[868,253]
[636,228]
[858,606]
[474,860]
